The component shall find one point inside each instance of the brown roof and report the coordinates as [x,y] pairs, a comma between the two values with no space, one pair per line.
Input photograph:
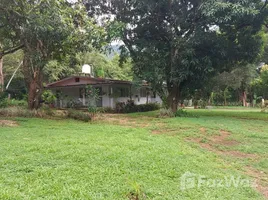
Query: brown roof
[85,80]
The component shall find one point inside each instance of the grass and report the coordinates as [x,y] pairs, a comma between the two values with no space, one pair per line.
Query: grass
[236,113]
[133,155]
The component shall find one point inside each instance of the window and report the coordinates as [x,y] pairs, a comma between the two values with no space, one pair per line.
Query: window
[77,80]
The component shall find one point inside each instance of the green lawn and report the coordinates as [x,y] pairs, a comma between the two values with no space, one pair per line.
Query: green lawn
[130,155]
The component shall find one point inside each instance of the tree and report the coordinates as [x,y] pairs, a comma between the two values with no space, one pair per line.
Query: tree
[237,80]
[46,30]
[106,68]
[176,42]
[260,84]
[12,64]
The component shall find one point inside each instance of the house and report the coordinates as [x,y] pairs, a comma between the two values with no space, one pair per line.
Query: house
[70,92]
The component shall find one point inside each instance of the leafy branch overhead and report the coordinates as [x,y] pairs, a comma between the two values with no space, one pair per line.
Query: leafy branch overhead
[45,30]
[174,43]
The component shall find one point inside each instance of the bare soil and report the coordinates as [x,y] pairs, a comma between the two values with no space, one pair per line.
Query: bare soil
[8,123]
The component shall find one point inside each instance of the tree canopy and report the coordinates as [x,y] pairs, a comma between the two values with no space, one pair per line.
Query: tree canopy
[45,30]
[176,42]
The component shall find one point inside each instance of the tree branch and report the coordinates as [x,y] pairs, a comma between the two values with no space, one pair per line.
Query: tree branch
[13,50]
[265,4]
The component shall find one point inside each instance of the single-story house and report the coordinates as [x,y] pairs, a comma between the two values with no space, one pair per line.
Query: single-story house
[71,91]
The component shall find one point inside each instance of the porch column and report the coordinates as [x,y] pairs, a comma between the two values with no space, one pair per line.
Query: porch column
[84,99]
[111,97]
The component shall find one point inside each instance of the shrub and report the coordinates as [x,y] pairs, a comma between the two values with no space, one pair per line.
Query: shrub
[106,110]
[78,115]
[130,107]
[148,107]
[183,113]
[48,97]
[120,107]
[166,113]
[3,103]
[47,110]
[17,103]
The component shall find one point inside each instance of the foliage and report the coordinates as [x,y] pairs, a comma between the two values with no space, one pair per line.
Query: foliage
[265,107]
[260,84]
[3,103]
[47,30]
[166,112]
[183,113]
[105,110]
[119,107]
[49,97]
[176,43]
[147,107]
[11,62]
[104,67]
[56,70]
[48,111]
[93,95]
[131,107]
[74,103]
[78,115]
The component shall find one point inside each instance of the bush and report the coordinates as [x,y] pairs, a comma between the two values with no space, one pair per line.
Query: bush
[105,110]
[166,113]
[183,113]
[148,107]
[3,103]
[120,107]
[48,97]
[130,107]
[17,103]
[78,115]
[47,111]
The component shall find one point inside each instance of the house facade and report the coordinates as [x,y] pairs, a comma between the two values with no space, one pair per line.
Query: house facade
[70,92]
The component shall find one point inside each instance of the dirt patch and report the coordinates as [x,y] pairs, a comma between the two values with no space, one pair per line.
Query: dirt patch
[261,180]
[222,139]
[8,123]
[210,147]
[203,130]
[124,120]
[163,130]
[261,184]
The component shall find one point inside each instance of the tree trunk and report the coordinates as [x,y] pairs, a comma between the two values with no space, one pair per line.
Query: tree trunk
[33,80]
[173,98]
[34,95]
[244,99]
[1,75]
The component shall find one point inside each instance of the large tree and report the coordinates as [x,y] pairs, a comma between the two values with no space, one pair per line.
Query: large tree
[45,30]
[176,42]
